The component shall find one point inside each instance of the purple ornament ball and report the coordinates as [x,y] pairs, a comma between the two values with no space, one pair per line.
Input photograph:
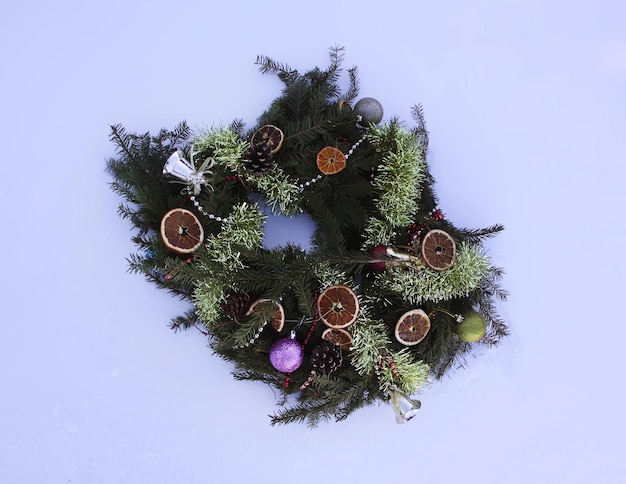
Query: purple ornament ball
[286,355]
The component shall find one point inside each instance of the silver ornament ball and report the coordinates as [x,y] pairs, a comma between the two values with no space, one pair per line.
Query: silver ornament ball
[370,110]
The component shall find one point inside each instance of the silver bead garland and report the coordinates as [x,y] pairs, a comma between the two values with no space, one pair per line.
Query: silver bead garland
[204,212]
[254,338]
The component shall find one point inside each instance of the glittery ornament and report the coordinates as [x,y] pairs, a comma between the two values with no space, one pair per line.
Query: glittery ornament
[370,110]
[286,354]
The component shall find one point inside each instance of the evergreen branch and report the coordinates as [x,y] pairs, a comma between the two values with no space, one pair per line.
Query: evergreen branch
[207,297]
[354,86]
[337,54]
[418,283]
[302,292]
[420,130]
[121,139]
[475,235]
[270,66]
[189,320]
[238,126]
[316,129]
[397,184]
[251,375]
[326,398]
[297,96]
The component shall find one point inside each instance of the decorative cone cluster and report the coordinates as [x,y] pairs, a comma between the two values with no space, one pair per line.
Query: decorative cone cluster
[258,158]
[326,357]
[236,304]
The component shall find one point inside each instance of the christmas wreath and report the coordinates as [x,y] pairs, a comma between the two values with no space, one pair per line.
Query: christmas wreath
[389,295]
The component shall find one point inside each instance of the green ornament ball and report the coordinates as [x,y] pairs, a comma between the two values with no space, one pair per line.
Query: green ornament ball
[370,110]
[472,328]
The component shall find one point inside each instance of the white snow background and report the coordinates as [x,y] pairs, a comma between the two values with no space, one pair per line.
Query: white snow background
[526,106]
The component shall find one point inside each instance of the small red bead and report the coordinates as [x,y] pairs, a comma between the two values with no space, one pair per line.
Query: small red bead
[438,215]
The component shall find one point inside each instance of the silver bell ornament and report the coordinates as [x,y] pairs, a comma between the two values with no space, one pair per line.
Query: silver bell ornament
[186,173]
[369,110]
[404,407]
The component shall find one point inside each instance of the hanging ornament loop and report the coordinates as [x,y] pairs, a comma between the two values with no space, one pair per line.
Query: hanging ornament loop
[186,173]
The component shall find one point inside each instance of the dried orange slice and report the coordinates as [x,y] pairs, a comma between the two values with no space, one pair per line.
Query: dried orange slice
[330,160]
[260,307]
[181,231]
[269,135]
[338,337]
[338,306]
[412,327]
[438,250]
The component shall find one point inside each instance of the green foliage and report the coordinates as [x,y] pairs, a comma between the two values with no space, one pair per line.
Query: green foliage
[399,177]
[417,283]
[241,231]
[385,190]
[281,195]
[208,295]
[224,145]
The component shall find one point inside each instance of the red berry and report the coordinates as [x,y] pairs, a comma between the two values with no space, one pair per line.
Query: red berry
[438,215]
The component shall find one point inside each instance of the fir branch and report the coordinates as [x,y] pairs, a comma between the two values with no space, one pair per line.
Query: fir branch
[354,86]
[120,137]
[476,235]
[298,98]
[224,145]
[244,226]
[417,112]
[337,54]
[270,66]
[282,195]
[397,184]
[328,274]
[238,126]
[207,298]
[188,320]
[483,297]
[227,149]
[370,345]
[305,131]
[370,337]
[418,283]
[347,261]
[252,375]
[168,141]
[327,398]
[407,374]
[247,330]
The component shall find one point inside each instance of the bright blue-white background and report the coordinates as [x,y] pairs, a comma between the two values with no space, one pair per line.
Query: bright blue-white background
[526,105]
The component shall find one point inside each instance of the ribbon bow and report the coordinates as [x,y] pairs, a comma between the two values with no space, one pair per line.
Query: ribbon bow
[186,172]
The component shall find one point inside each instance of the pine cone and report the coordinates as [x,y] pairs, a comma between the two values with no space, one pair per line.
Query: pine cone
[236,304]
[326,357]
[258,158]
